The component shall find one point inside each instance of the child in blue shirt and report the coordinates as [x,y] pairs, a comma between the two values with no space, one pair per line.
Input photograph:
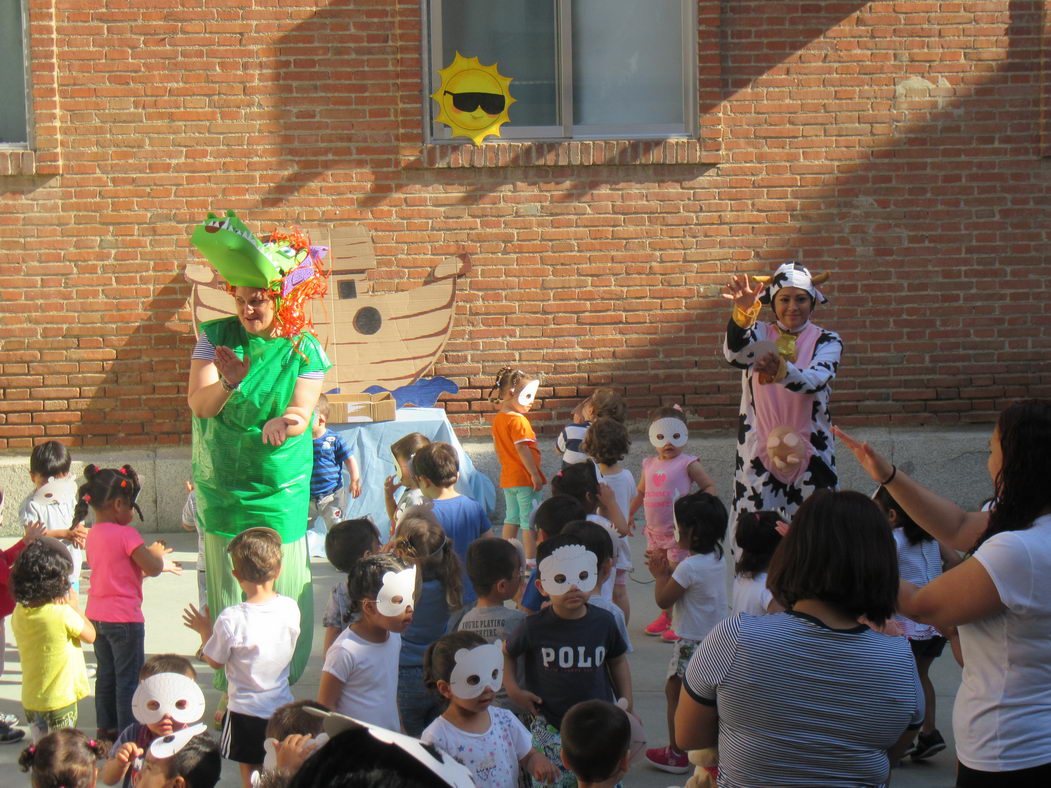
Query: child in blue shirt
[437,468]
[331,453]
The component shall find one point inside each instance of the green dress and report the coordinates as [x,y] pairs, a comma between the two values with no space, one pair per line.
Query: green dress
[242,482]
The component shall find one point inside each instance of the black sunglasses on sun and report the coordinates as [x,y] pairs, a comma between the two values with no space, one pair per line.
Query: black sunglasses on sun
[491,103]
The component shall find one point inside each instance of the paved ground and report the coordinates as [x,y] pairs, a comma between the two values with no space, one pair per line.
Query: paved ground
[166,596]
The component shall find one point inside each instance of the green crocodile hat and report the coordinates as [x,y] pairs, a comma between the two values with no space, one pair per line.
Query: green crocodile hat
[239,257]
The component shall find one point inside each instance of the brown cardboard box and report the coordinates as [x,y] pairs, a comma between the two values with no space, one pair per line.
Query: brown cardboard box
[357,408]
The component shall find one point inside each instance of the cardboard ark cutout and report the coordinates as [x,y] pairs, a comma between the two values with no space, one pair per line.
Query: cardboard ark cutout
[381,340]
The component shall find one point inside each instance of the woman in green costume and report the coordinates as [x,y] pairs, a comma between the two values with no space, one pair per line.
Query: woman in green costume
[254,381]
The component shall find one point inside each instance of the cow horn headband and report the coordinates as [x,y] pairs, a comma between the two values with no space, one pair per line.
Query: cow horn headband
[793,274]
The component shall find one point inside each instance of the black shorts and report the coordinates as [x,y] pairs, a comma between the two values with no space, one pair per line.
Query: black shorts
[932,647]
[243,737]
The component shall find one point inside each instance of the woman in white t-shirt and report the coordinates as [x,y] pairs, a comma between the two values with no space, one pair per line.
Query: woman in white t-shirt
[1000,599]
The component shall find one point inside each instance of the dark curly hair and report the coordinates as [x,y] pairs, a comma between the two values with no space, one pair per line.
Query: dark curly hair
[758,538]
[40,574]
[606,441]
[102,485]
[1021,487]
[65,757]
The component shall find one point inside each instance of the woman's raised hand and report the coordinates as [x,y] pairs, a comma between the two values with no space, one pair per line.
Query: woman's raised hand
[742,293]
[231,368]
[875,464]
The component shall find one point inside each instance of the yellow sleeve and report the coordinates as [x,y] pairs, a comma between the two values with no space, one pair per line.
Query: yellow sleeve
[746,319]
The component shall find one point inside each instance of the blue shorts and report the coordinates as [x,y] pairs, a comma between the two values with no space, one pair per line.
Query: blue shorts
[519,503]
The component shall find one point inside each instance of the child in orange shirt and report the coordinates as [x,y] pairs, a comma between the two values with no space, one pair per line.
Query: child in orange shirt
[520,476]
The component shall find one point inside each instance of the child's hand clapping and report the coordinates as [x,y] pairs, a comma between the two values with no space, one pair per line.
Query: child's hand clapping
[199,621]
[33,531]
[657,562]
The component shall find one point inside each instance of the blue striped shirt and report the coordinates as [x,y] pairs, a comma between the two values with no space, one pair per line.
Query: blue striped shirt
[802,704]
[330,453]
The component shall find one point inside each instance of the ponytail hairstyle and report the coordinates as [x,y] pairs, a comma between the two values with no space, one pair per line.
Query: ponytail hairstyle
[913,533]
[440,658]
[103,485]
[758,537]
[508,380]
[578,481]
[65,758]
[420,540]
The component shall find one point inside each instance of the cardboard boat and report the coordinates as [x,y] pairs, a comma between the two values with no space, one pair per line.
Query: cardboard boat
[382,339]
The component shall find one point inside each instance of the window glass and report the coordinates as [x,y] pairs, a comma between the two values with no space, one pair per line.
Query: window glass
[13,127]
[517,35]
[627,65]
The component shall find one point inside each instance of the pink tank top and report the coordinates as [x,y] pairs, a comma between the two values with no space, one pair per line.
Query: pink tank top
[666,480]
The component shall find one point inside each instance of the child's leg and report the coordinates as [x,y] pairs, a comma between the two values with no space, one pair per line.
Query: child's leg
[126,643]
[246,773]
[511,518]
[672,687]
[242,741]
[105,684]
[923,666]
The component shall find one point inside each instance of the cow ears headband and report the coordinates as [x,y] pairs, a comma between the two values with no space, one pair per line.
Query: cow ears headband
[567,566]
[793,274]
[477,668]
[454,774]
[396,593]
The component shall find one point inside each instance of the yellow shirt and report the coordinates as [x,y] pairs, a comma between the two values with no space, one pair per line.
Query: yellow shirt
[53,672]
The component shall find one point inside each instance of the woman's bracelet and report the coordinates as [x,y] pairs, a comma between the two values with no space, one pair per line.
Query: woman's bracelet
[228,387]
[893,473]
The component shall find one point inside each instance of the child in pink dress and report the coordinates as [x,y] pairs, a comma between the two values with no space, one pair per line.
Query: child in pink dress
[665,478]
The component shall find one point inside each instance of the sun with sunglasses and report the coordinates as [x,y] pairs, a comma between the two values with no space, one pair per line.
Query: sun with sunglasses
[473,98]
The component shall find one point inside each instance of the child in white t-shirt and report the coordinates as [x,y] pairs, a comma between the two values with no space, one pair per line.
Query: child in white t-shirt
[488,740]
[403,450]
[757,537]
[607,444]
[697,589]
[253,642]
[360,675]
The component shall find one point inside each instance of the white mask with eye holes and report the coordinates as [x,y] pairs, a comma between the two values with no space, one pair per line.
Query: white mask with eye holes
[478,668]
[171,694]
[567,566]
[528,393]
[166,746]
[668,430]
[396,593]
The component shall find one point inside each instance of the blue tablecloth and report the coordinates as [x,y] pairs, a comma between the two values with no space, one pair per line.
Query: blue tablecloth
[370,444]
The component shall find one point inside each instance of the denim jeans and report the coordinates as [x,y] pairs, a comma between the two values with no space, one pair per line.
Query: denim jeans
[417,705]
[119,654]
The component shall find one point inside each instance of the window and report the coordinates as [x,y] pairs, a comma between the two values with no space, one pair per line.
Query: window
[580,69]
[14,128]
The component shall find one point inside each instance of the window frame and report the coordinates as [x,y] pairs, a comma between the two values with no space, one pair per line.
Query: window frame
[439,134]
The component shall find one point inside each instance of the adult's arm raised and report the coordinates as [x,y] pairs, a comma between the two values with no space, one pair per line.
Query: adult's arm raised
[938,516]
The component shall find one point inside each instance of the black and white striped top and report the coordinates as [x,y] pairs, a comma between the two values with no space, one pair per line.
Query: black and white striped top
[802,704]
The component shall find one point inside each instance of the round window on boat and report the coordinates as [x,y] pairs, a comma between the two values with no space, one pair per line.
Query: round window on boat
[368,320]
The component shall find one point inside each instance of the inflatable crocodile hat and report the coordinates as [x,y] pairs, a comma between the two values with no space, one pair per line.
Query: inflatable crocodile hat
[792,274]
[239,257]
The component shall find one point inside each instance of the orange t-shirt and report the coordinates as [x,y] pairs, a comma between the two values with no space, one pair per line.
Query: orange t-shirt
[510,429]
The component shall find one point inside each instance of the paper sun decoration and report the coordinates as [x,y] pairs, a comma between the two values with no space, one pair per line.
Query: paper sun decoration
[473,98]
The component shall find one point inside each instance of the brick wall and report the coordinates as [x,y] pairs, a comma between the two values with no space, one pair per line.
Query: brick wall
[895,144]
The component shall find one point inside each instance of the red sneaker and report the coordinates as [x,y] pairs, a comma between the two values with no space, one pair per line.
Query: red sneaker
[658,626]
[668,760]
[669,636]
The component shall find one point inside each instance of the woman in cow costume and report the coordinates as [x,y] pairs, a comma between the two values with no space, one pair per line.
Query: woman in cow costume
[784,437]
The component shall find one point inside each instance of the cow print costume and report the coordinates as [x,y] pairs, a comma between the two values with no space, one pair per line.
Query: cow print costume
[756,488]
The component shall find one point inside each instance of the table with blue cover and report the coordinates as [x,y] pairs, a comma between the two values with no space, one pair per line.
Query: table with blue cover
[370,443]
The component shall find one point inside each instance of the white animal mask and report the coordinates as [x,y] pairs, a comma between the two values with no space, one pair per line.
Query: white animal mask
[397,591]
[569,565]
[442,765]
[167,746]
[478,668]
[668,430]
[171,694]
[528,393]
